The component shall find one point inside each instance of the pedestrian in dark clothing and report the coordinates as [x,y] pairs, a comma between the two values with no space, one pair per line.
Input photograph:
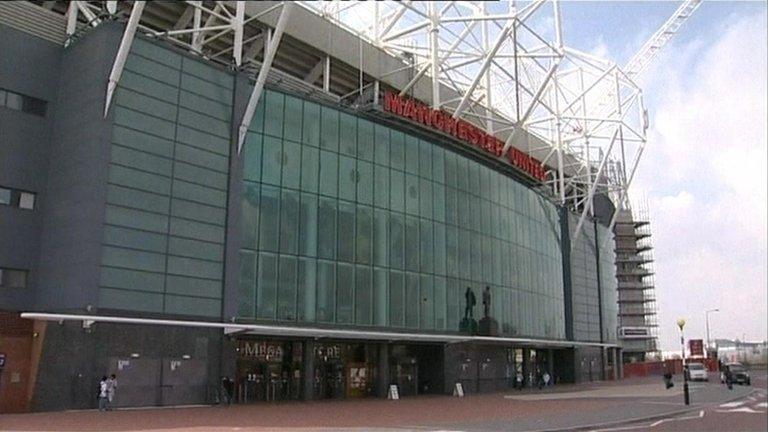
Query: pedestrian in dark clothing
[668,379]
[729,377]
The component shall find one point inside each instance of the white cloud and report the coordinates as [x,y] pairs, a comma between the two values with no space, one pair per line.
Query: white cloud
[704,173]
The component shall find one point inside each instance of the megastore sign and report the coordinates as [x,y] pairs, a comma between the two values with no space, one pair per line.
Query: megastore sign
[441,121]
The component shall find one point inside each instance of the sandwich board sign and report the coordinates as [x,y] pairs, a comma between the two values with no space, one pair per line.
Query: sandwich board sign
[458,390]
[393,393]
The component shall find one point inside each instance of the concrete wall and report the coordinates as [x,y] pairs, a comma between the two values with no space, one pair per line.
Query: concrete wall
[29,66]
[75,190]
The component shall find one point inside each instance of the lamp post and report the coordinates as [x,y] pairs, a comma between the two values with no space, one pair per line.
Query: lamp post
[686,397]
[706,315]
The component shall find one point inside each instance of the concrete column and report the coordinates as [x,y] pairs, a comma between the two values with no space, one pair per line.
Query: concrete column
[382,375]
[620,363]
[604,361]
[308,370]
[616,364]
[527,367]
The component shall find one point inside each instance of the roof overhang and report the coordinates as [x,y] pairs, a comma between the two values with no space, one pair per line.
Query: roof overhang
[234,329]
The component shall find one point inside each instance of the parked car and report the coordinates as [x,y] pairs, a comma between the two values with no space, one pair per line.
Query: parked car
[697,372]
[740,375]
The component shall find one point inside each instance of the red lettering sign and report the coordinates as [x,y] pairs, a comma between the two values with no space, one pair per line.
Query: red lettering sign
[437,119]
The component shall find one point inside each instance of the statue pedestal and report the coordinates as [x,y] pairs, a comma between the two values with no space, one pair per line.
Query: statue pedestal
[468,326]
[488,327]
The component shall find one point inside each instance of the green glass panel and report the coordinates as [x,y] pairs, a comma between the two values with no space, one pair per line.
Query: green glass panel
[292,164]
[364,235]
[306,287]
[380,238]
[363,295]
[308,224]
[425,159]
[311,125]
[144,85]
[194,156]
[329,172]
[412,303]
[199,194]
[193,286]
[148,105]
[329,130]
[126,197]
[327,228]
[206,89]
[326,291]
[138,219]
[396,240]
[347,178]
[144,122]
[156,53]
[309,168]
[203,176]
[381,146]
[396,299]
[427,303]
[347,134]
[411,155]
[266,287]
[269,219]
[272,163]
[192,306]
[346,232]
[364,182]
[142,141]
[194,267]
[425,246]
[131,279]
[152,68]
[286,290]
[130,300]
[411,194]
[345,293]
[289,221]
[381,186]
[273,114]
[137,260]
[397,190]
[195,249]
[196,230]
[293,116]
[208,72]
[381,297]
[411,243]
[134,239]
[365,140]
[425,198]
[202,139]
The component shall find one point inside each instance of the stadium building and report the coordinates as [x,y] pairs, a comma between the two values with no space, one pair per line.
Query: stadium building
[285,203]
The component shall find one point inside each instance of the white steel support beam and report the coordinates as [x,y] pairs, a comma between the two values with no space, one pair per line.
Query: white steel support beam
[316,72]
[122,52]
[237,26]
[434,48]
[197,21]
[274,42]
[72,11]
[327,74]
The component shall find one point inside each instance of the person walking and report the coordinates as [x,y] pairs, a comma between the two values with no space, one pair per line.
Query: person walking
[519,380]
[729,377]
[103,394]
[111,390]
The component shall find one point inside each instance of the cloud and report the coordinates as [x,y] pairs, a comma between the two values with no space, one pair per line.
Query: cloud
[704,173]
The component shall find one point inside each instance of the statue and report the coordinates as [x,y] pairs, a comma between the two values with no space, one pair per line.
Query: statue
[487,302]
[488,326]
[469,296]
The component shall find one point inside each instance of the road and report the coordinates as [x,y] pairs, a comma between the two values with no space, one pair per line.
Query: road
[745,414]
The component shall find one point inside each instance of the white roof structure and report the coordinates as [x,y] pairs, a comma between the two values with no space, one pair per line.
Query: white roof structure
[504,67]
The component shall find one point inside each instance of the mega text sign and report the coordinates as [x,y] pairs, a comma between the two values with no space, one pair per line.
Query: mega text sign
[462,130]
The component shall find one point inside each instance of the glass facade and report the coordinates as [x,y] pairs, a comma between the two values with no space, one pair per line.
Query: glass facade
[350,222]
[608,283]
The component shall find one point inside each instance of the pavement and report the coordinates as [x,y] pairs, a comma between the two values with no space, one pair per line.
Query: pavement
[633,404]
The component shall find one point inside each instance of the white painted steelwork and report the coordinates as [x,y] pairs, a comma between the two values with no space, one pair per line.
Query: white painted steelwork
[314,332]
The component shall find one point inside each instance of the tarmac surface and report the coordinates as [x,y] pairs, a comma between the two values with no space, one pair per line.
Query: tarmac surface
[609,406]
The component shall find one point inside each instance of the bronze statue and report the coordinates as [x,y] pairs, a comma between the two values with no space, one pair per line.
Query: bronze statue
[469,296]
[487,302]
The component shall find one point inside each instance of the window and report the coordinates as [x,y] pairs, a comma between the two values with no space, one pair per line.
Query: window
[11,278]
[19,102]
[16,198]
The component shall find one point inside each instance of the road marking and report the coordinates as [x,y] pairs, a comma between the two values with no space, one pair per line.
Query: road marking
[701,415]
[731,404]
[742,410]
[762,405]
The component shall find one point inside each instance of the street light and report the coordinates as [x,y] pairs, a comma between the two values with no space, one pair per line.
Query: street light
[686,397]
[706,315]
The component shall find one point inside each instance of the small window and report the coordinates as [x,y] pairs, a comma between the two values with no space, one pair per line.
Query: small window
[5,196]
[27,201]
[14,101]
[10,278]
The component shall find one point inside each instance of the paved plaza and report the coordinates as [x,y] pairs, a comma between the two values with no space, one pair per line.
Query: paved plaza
[568,407]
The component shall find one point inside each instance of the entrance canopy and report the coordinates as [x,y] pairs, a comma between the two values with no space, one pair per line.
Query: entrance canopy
[314,332]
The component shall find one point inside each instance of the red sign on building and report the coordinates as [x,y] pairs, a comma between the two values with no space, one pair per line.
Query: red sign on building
[443,122]
[697,347]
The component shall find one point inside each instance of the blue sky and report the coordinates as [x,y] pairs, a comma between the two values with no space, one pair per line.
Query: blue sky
[703,175]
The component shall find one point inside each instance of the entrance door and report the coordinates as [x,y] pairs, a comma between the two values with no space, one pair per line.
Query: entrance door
[183,381]
[138,381]
[329,380]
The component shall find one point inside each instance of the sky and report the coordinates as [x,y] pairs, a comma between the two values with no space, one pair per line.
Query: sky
[702,177]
